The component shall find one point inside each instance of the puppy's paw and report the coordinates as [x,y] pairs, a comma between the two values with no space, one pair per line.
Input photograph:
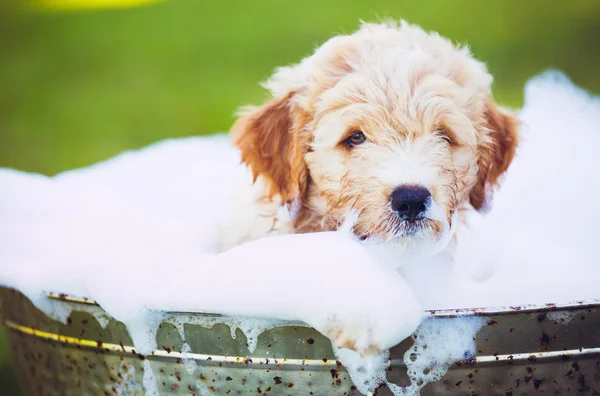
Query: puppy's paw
[359,336]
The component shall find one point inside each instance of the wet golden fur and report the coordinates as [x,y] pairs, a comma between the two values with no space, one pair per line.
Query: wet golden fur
[426,109]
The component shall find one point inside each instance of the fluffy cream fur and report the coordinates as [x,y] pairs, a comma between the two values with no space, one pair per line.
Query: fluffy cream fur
[425,108]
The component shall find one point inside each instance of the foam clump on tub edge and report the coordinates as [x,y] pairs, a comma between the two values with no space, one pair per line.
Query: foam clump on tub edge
[125,233]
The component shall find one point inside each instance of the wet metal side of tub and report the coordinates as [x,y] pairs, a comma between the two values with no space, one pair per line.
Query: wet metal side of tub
[520,351]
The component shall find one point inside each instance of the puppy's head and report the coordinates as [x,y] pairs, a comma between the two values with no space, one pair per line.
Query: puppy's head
[390,121]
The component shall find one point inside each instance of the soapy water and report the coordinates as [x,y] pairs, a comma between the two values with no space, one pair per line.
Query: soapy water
[127,384]
[149,380]
[137,216]
[250,327]
[438,343]
[366,372]
[188,362]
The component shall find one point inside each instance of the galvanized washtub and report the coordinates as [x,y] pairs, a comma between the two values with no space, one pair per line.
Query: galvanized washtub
[552,349]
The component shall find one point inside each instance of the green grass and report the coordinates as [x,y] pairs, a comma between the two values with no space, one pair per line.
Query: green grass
[78,87]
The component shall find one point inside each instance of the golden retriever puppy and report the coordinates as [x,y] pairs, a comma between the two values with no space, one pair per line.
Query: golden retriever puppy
[392,122]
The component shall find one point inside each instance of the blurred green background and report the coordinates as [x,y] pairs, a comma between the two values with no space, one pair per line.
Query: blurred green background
[77,87]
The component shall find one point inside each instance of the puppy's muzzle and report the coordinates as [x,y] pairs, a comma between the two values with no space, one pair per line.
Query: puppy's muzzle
[410,202]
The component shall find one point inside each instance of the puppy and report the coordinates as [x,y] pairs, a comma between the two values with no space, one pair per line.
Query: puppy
[392,122]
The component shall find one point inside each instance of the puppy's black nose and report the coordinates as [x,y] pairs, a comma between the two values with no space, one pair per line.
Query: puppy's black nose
[410,202]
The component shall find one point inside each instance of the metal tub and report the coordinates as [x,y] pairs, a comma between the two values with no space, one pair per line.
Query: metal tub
[552,349]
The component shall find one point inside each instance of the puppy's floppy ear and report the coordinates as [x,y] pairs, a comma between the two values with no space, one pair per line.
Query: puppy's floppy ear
[496,152]
[273,144]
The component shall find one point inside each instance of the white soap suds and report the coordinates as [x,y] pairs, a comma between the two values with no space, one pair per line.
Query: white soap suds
[58,310]
[438,343]
[149,380]
[188,362]
[367,372]
[54,309]
[127,385]
[142,328]
[563,317]
[98,313]
[141,234]
[202,389]
[251,327]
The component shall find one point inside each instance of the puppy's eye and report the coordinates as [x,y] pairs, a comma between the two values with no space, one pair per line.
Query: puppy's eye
[447,135]
[355,139]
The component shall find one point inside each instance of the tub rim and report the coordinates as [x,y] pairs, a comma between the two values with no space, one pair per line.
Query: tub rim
[262,361]
[429,313]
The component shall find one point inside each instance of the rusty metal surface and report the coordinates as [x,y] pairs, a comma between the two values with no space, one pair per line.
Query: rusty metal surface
[525,350]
